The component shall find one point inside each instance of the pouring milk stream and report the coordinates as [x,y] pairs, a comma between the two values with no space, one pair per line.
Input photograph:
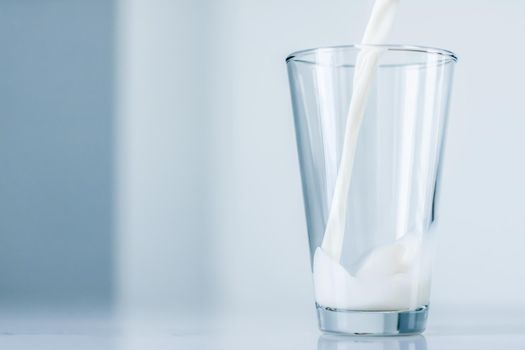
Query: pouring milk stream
[391,276]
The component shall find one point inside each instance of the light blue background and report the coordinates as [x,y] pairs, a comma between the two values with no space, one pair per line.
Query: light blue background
[148,155]
[56,151]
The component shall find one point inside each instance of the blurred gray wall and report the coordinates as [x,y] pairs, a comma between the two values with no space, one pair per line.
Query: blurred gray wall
[56,151]
[164,234]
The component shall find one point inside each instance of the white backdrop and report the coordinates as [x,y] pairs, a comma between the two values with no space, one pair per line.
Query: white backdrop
[259,222]
[247,236]
[149,155]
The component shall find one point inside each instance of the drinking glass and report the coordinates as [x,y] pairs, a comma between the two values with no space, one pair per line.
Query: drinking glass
[380,283]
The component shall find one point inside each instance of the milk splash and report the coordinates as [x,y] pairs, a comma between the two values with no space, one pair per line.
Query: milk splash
[391,277]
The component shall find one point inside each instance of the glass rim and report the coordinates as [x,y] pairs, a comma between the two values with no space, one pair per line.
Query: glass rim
[297,55]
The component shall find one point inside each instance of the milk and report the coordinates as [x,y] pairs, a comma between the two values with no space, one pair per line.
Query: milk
[394,276]
[376,31]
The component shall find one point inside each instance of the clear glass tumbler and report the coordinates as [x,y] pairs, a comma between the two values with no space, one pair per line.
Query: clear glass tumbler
[378,280]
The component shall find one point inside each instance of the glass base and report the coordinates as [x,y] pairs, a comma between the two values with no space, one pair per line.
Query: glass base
[378,323]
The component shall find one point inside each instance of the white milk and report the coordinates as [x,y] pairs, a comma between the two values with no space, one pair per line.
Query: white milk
[394,276]
[376,31]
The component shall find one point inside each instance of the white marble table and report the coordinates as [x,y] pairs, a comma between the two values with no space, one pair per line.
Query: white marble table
[491,330]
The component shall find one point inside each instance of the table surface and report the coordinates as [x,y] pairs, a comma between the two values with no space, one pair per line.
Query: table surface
[490,330]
